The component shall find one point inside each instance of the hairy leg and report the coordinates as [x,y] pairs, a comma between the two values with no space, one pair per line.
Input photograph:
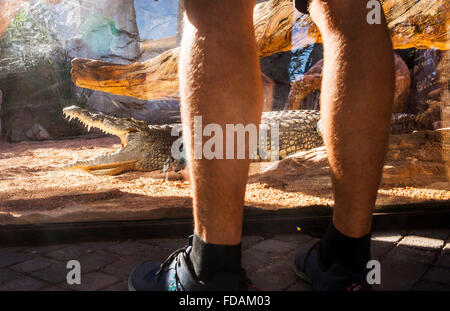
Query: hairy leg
[220,81]
[356,105]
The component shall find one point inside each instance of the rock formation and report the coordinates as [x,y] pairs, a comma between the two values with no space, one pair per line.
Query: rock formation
[412,23]
[1,100]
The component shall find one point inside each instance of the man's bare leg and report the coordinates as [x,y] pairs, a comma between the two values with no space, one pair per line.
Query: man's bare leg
[356,104]
[220,81]
[356,107]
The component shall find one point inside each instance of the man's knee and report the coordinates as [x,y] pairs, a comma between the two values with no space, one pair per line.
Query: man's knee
[343,15]
[213,13]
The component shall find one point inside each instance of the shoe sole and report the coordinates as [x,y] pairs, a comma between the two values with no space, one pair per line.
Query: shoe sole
[302,276]
[130,286]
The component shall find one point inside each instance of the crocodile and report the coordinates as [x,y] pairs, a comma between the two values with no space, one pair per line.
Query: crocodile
[149,147]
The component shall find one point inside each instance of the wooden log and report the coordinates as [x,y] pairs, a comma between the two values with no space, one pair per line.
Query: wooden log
[413,23]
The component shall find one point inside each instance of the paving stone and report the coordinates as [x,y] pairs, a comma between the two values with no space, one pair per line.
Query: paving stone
[297,238]
[51,288]
[23,283]
[444,261]
[95,261]
[99,245]
[411,255]
[439,234]
[272,246]
[106,265]
[121,268]
[391,237]
[119,287]
[446,248]
[45,249]
[13,258]
[72,252]
[92,282]
[438,274]
[253,260]
[421,242]
[399,275]
[379,249]
[8,275]
[129,247]
[55,273]
[249,240]
[6,250]
[33,264]
[157,254]
[300,286]
[278,275]
[166,243]
[431,286]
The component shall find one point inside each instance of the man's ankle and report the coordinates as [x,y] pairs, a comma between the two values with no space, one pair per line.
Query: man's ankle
[207,259]
[350,253]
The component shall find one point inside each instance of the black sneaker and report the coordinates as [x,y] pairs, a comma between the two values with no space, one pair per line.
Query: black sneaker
[308,267]
[175,274]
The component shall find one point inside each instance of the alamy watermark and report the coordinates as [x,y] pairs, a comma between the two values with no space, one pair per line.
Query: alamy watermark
[73,277]
[233,144]
[374,15]
[374,274]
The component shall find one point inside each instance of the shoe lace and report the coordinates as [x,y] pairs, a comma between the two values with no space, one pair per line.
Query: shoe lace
[169,259]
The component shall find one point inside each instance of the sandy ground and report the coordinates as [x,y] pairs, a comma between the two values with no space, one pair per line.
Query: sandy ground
[34,188]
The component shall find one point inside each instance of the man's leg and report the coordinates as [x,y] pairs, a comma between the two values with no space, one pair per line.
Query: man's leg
[356,106]
[220,81]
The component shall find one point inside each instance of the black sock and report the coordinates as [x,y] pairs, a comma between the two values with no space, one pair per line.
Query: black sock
[351,253]
[208,259]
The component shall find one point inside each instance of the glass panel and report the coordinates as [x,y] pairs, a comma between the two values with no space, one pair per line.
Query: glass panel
[120,58]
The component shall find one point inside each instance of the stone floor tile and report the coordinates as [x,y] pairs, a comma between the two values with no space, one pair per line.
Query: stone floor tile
[297,238]
[34,264]
[129,247]
[379,248]
[118,287]
[167,243]
[421,242]
[250,240]
[7,275]
[438,275]
[25,283]
[411,255]
[392,237]
[399,275]
[96,261]
[71,252]
[273,246]
[431,286]
[279,275]
[439,234]
[55,273]
[92,282]
[13,258]
[444,261]
[300,286]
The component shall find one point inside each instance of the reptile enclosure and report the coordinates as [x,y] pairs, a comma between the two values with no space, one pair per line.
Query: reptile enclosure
[123,60]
